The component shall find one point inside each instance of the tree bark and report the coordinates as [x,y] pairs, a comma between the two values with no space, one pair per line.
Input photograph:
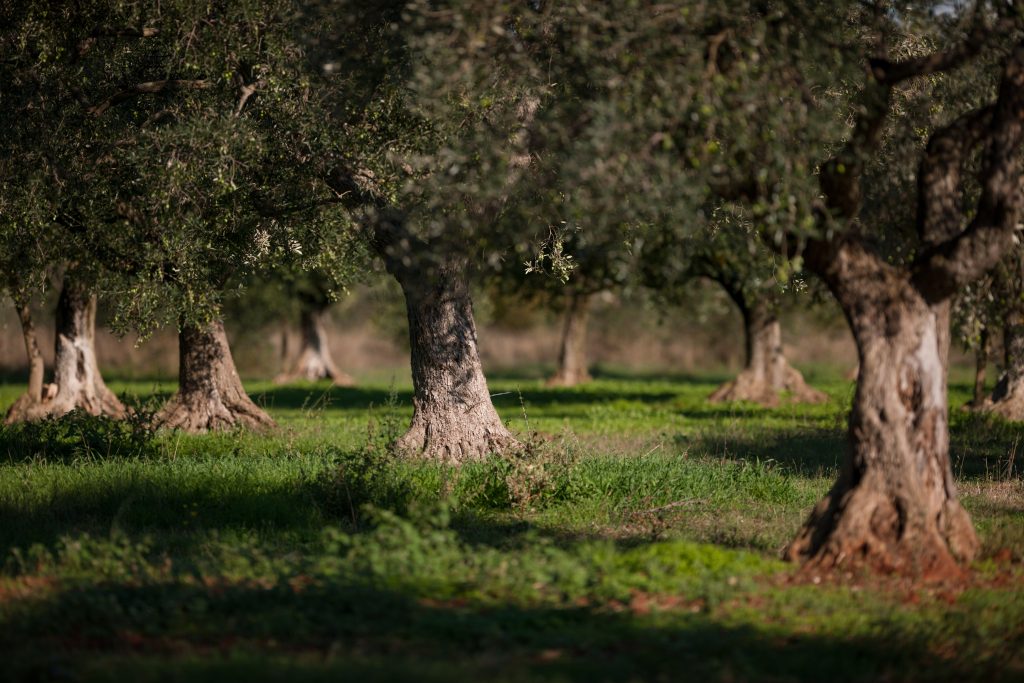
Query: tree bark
[895,505]
[572,358]
[980,398]
[1008,395]
[36,368]
[766,373]
[77,382]
[314,361]
[453,418]
[210,394]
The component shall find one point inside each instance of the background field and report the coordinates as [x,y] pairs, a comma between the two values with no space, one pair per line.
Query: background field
[634,539]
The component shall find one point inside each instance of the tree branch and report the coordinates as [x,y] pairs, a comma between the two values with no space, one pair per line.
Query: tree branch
[948,266]
[939,193]
[892,73]
[840,176]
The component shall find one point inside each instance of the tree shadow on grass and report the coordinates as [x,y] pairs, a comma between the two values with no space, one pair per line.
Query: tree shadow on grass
[152,507]
[804,452]
[976,452]
[311,397]
[296,630]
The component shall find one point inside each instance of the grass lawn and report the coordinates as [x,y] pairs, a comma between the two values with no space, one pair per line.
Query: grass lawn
[636,538]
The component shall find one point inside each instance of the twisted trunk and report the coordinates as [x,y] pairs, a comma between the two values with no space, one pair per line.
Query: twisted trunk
[34,395]
[314,361]
[77,383]
[766,373]
[210,394]
[895,505]
[572,358]
[453,418]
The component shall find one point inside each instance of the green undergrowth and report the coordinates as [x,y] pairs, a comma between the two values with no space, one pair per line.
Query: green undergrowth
[635,537]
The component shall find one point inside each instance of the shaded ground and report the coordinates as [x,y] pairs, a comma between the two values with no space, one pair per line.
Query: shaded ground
[636,540]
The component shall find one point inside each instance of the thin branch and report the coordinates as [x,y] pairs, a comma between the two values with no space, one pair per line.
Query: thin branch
[247,90]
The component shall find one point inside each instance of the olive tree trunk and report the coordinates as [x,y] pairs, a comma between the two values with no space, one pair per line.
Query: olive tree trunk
[894,506]
[210,394]
[77,382]
[766,373]
[1008,395]
[979,398]
[453,418]
[34,395]
[314,361]
[572,358]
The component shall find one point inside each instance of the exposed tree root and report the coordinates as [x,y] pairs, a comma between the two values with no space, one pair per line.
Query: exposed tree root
[870,526]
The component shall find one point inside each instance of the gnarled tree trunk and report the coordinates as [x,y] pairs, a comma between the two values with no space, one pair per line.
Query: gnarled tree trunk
[314,361]
[895,505]
[34,395]
[210,394]
[77,383]
[572,358]
[453,418]
[766,373]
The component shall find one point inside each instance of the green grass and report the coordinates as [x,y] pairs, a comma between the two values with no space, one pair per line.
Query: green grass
[636,539]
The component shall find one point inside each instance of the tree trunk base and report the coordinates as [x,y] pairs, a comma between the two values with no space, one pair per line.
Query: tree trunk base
[210,394]
[1010,407]
[29,406]
[1006,401]
[99,401]
[314,362]
[455,439]
[569,378]
[198,414]
[866,527]
[77,382]
[310,374]
[757,388]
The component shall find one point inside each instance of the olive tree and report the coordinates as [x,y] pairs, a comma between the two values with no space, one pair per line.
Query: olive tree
[788,109]
[41,236]
[728,252]
[183,165]
[994,307]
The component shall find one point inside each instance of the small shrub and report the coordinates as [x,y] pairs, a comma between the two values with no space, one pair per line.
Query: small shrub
[371,476]
[537,476]
[78,435]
